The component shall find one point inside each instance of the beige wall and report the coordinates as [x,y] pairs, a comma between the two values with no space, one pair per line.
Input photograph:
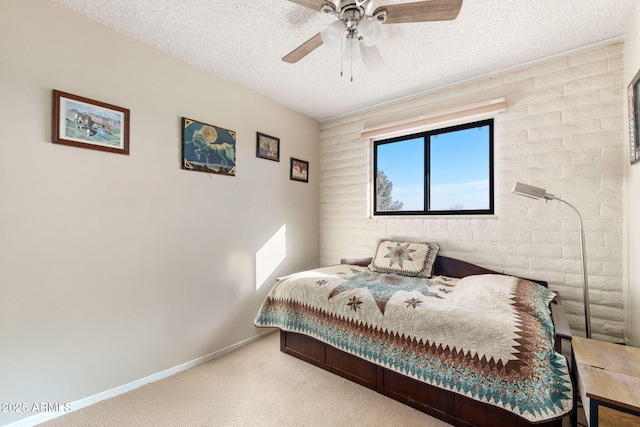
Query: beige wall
[112,267]
[562,130]
[632,201]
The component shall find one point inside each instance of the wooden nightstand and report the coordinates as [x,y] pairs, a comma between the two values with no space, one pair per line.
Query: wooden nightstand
[608,378]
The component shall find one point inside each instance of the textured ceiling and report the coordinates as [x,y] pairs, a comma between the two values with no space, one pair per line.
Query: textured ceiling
[243,41]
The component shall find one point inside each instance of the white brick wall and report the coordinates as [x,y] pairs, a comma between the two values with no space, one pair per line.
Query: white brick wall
[562,130]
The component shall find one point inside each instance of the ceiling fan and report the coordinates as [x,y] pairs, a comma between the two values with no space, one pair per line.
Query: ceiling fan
[359,26]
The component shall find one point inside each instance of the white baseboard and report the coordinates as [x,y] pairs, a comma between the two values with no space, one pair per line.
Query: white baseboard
[88,401]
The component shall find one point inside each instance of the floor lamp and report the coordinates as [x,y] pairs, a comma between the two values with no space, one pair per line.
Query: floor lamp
[540,193]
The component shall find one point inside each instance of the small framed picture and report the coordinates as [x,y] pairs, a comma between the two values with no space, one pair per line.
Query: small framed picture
[634,119]
[86,123]
[208,148]
[267,147]
[299,170]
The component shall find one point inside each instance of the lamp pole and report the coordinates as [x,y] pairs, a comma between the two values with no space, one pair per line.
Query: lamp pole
[585,285]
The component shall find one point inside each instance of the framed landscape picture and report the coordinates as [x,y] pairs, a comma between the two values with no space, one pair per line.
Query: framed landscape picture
[208,148]
[299,170]
[87,123]
[634,120]
[267,147]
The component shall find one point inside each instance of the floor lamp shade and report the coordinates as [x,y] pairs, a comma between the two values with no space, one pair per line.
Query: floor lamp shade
[540,193]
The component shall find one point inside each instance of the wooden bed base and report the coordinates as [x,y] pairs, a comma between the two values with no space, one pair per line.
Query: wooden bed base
[448,406]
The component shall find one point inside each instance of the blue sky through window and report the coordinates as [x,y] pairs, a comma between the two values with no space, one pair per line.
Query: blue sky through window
[403,163]
[460,170]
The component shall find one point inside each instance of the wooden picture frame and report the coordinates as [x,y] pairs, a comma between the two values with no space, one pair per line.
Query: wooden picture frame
[633,92]
[267,147]
[299,170]
[87,123]
[208,148]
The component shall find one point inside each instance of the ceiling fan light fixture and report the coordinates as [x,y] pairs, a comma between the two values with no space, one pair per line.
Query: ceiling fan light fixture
[371,31]
[332,33]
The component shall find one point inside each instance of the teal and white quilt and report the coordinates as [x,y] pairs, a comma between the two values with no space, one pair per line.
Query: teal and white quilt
[488,337]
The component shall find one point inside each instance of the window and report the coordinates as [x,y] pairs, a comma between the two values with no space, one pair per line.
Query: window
[440,172]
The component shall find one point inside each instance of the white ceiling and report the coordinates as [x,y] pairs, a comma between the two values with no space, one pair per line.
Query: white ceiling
[244,41]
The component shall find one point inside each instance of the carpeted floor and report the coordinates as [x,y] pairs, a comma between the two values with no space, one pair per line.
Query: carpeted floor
[256,385]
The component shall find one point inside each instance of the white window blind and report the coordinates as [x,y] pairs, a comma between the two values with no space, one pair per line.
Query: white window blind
[416,124]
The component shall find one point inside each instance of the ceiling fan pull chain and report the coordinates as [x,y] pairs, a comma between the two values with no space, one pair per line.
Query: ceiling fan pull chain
[351,50]
[341,56]
[351,56]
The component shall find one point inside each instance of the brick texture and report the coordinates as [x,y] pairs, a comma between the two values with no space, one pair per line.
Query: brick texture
[562,130]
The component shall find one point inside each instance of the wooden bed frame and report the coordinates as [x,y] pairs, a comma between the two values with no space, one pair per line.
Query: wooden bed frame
[448,406]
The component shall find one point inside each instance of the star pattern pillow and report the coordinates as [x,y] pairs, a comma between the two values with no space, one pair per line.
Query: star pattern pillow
[413,259]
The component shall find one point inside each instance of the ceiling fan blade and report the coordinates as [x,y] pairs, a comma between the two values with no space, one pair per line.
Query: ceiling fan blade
[303,50]
[371,57]
[311,4]
[422,11]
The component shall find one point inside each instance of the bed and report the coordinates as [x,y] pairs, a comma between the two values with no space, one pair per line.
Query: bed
[467,345]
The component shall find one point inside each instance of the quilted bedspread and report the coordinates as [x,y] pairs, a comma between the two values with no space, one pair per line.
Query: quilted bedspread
[489,337]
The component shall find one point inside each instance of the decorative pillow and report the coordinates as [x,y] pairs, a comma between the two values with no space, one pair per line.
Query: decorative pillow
[406,258]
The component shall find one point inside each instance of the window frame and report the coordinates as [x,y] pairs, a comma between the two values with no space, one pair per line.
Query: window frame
[426,135]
